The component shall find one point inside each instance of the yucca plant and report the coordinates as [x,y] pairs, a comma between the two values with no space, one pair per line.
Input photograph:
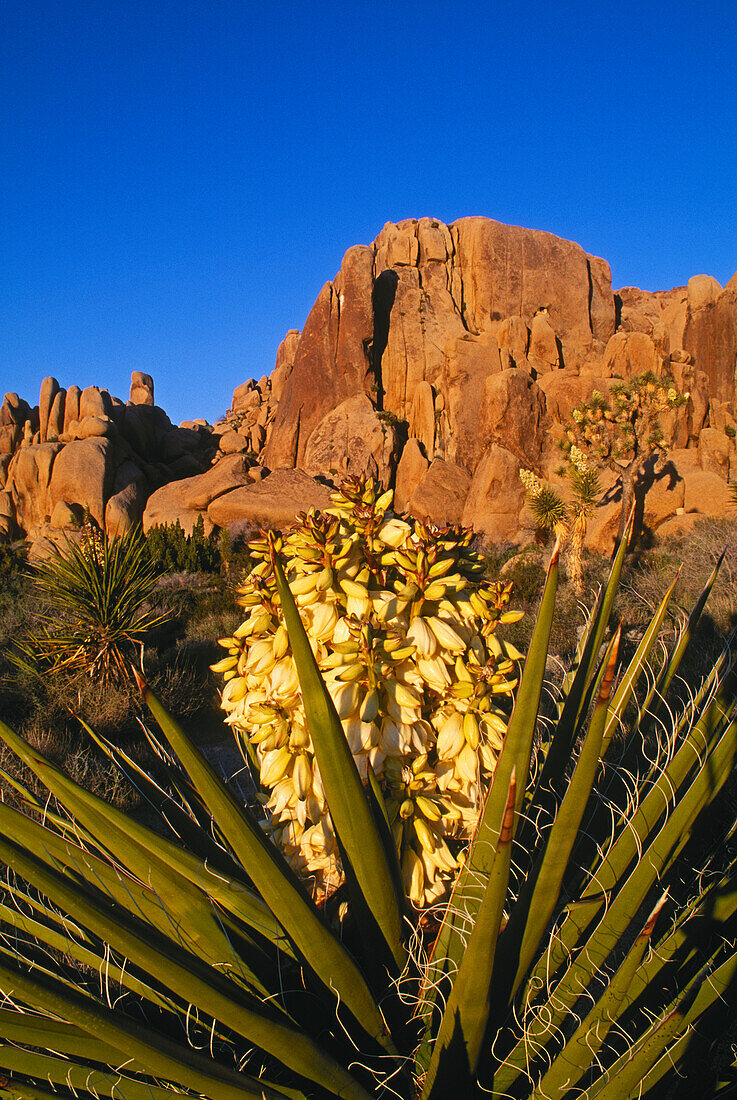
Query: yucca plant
[403,625]
[567,520]
[94,595]
[574,958]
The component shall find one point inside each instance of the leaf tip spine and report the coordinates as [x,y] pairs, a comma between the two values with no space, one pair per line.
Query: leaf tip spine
[507,829]
[142,685]
[647,928]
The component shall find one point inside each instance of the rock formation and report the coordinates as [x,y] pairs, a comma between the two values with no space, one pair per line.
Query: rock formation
[468,345]
[85,452]
[440,360]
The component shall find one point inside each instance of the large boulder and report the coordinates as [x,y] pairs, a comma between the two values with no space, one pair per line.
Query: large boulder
[707,493]
[513,339]
[14,413]
[410,470]
[94,402]
[543,354]
[143,427]
[352,440]
[55,423]
[512,415]
[715,450]
[271,503]
[441,493]
[28,482]
[142,388]
[227,474]
[82,475]
[245,396]
[166,506]
[49,390]
[631,353]
[71,407]
[127,501]
[496,496]
[710,333]
[563,391]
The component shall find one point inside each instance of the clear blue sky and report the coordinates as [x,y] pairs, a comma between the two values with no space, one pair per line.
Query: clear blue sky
[179,177]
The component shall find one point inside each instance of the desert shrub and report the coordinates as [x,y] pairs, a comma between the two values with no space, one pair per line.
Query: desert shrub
[172,551]
[528,577]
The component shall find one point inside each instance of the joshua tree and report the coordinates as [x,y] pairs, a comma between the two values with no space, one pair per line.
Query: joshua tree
[623,430]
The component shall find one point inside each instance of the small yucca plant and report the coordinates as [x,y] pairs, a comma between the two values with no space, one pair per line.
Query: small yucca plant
[574,957]
[94,595]
[568,520]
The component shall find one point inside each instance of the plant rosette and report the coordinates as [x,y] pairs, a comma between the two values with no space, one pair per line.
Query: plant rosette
[403,626]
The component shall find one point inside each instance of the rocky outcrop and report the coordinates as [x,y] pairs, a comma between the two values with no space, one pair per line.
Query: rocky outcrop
[83,452]
[440,360]
[272,502]
[479,341]
[352,440]
[441,493]
[428,305]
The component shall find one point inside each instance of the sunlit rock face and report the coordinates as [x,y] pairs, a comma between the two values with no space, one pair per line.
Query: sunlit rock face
[440,360]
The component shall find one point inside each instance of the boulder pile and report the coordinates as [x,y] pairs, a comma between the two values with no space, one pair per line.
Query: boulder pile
[440,360]
[84,452]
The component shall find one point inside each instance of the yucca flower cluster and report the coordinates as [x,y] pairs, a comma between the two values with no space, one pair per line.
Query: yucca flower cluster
[402,623]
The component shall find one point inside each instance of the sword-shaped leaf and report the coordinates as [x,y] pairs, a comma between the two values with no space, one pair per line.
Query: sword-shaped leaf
[582,1047]
[186,976]
[466,898]
[539,894]
[630,679]
[354,821]
[158,1056]
[275,880]
[458,1044]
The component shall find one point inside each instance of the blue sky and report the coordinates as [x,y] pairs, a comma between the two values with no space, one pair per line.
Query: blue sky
[179,177]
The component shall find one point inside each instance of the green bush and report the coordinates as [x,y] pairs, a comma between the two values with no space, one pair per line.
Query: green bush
[174,552]
[13,571]
[94,597]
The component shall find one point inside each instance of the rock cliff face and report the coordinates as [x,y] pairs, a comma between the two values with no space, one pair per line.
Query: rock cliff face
[440,359]
[466,346]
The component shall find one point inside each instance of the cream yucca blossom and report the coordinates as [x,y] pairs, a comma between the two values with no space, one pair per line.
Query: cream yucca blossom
[531,482]
[402,623]
[578,458]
